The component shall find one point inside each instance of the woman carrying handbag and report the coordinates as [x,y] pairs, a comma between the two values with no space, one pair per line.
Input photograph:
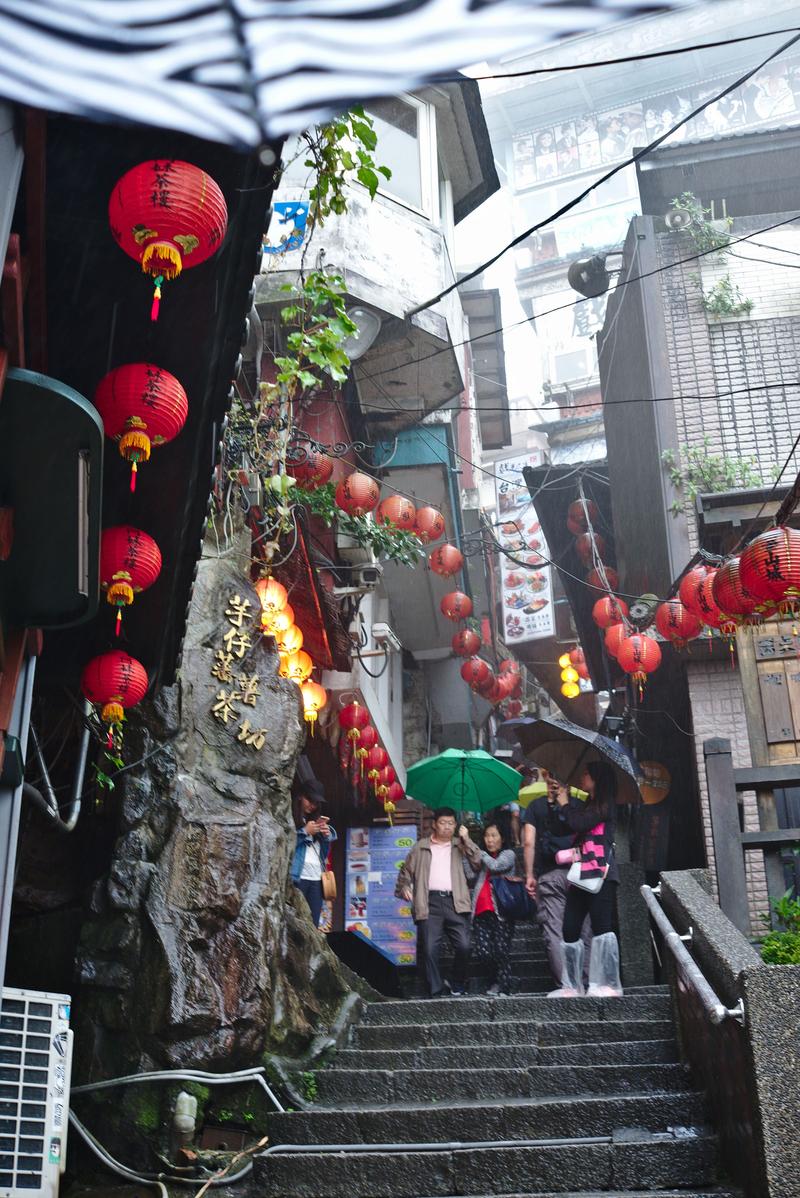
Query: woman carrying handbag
[314,839]
[593,880]
[492,931]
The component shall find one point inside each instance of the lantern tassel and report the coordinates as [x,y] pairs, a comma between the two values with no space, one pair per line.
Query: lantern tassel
[156,298]
[134,471]
[118,621]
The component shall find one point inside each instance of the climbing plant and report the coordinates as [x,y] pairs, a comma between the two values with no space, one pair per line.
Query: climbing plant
[705,235]
[701,472]
[725,299]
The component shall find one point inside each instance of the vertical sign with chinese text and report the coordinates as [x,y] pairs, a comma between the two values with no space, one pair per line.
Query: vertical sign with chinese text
[526,582]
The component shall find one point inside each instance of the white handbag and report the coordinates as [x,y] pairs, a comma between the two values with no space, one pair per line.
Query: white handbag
[591,884]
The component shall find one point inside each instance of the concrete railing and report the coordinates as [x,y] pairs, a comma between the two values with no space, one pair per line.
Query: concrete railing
[751,1073]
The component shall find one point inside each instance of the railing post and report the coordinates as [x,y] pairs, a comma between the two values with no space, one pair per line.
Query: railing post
[725,833]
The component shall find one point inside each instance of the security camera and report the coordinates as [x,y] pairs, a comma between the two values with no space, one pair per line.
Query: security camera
[383,635]
[367,577]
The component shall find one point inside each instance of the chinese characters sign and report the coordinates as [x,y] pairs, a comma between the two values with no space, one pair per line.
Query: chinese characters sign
[526,582]
[239,688]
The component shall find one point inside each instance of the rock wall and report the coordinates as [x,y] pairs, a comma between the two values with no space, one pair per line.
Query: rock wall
[197,950]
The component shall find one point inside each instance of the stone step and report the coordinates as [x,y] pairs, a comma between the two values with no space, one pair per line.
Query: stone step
[654,1004]
[659,1161]
[476,987]
[352,1087]
[507,1031]
[619,1052]
[507,1056]
[704,1193]
[490,1120]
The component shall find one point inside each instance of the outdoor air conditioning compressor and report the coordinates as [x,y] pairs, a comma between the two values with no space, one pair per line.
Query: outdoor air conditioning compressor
[35,1064]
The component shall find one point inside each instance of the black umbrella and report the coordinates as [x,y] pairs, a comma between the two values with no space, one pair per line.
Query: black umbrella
[565,749]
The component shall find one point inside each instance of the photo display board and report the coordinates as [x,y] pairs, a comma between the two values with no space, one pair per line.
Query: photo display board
[527,588]
[374,856]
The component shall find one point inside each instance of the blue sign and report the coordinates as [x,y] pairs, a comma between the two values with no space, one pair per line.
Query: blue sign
[287,228]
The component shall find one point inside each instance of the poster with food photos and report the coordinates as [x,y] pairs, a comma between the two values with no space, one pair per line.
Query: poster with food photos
[526,581]
[374,856]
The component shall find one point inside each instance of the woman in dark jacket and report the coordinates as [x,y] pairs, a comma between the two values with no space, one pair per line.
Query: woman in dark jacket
[314,839]
[491,932]
[599,812]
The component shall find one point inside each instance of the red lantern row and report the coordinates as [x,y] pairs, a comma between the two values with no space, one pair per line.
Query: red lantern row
[130,562]
[372,758]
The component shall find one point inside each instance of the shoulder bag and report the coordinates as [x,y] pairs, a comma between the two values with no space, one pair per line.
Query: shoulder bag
[511,897]
[588,871]
[328,881]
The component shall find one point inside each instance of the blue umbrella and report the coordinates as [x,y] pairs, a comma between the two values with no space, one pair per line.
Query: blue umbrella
[565,749]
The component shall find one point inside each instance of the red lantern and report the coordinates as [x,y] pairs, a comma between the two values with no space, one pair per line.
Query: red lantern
[386,776]
[676,623]
[314,471]
[505,685]
[687,591]
[577,522]
[513,708]
[446,560]
[358,494]
[611,577]
[486,688]
[130,562]
[639,656]
[582,669]
[397,510]
[475,672]
[466,643]
[577,656]
[428,524]
[167,216]
[609,610]
[396,793]
[456,606]
[116,680]
[509,666]
[141,406]
[731,597]
[377,759]
[615,635]
[516,690]
[365,740]
[589,543]
[769,568]
[352,718]
[706,607]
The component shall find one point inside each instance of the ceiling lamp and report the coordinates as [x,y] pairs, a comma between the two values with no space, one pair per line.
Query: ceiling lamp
[281,621]
[358,494]
[446,560]
[576,656]
[428,524]
[116,681]
[130,562]
[564,661]
[287,640]
[569,675]
[368,326]
[167,215]
[377,759]
[141,406]
[456,606]
[314,699]
[508,666]
[588,544]
[397,510]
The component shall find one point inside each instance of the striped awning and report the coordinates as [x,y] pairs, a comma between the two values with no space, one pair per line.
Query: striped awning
[243,71]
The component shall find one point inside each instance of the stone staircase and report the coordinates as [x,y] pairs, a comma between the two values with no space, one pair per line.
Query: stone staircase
[516,1096]
[531,972]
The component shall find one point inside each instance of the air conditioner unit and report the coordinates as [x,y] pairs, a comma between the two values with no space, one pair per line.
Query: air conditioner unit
[351,551]
[35,1065]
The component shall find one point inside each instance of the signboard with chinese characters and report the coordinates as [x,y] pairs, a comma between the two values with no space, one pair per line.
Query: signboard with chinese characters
[374,856]
[526,582]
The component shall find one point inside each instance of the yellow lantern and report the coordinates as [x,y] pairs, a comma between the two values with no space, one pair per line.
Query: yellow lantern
[314,699]
[289,641]
[569,675]
[271,595]
[564,661]
[281,620]
[297,666]
[570,690]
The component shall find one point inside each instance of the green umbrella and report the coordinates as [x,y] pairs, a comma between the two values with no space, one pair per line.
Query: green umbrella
[466,781]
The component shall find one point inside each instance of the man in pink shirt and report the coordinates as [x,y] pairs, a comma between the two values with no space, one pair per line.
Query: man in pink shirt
[432,879]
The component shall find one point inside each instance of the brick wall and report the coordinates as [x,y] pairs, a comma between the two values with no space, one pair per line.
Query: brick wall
[715,692]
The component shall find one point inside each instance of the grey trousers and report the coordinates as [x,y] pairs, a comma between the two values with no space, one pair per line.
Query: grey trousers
[551,899]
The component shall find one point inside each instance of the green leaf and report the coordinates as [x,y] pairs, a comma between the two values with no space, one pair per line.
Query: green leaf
[367,176]
[384,170]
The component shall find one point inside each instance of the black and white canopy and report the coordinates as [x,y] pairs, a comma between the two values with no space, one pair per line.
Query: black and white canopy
[241,71]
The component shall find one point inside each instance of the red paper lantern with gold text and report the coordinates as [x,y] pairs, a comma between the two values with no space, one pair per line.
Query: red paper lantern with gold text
[115,680]
[594,580]
[687,591]
[386,776]
[609,610]
[397,510]
[589,543]
[168,216]
[614,637]
[428,524]
[130,562]
[377,759]
[676,623]
[475,672]
[769,568]
[508,666]
[736,604]
[396,793]
[366,739]
[456,606]
[446,560]
[576,516]
[466,643]
[505,685]
[639,655]
[352,718]
[706,606]
[358,494]
[142,406]
[314,471]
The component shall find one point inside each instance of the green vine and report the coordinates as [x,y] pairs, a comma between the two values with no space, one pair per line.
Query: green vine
[706,235]
[700,472]
[725,299]
[339,153]
[385,540]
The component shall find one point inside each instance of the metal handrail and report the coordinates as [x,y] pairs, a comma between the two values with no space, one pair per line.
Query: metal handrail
[715,1008]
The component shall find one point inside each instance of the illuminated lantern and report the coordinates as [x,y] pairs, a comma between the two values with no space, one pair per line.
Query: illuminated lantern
[570,690]
[314,471]
[168,216]
[446,560]
[428,524]
[475,672]
[141,406]
[130,562]
[365,740]
[589,543]
[731,598]
[466,643]
[280,622]
[594,580]
[577,656]
[563,660]
[609,610]
[687,591]
[314,699]
[615,635]
[509,666]
[769,568]
[583,670]
[397,510]
[569,675]
[272,597]
[358,494]
[576,516]
[116,681]
[296,666]
[377,759]
[352,718]
[639,656]
[513,708]
[288,640]
[456,606]
[676,623]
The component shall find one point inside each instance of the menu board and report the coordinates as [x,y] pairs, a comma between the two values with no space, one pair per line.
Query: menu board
[374,856]
[526,583]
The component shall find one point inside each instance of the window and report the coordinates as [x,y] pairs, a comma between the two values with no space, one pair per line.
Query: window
[407,145]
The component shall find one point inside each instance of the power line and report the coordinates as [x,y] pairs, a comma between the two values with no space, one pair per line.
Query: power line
[635,157]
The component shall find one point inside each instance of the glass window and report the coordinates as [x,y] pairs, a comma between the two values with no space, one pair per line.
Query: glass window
[397,124]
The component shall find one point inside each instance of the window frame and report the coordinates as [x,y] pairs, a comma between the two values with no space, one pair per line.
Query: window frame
[428,161]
